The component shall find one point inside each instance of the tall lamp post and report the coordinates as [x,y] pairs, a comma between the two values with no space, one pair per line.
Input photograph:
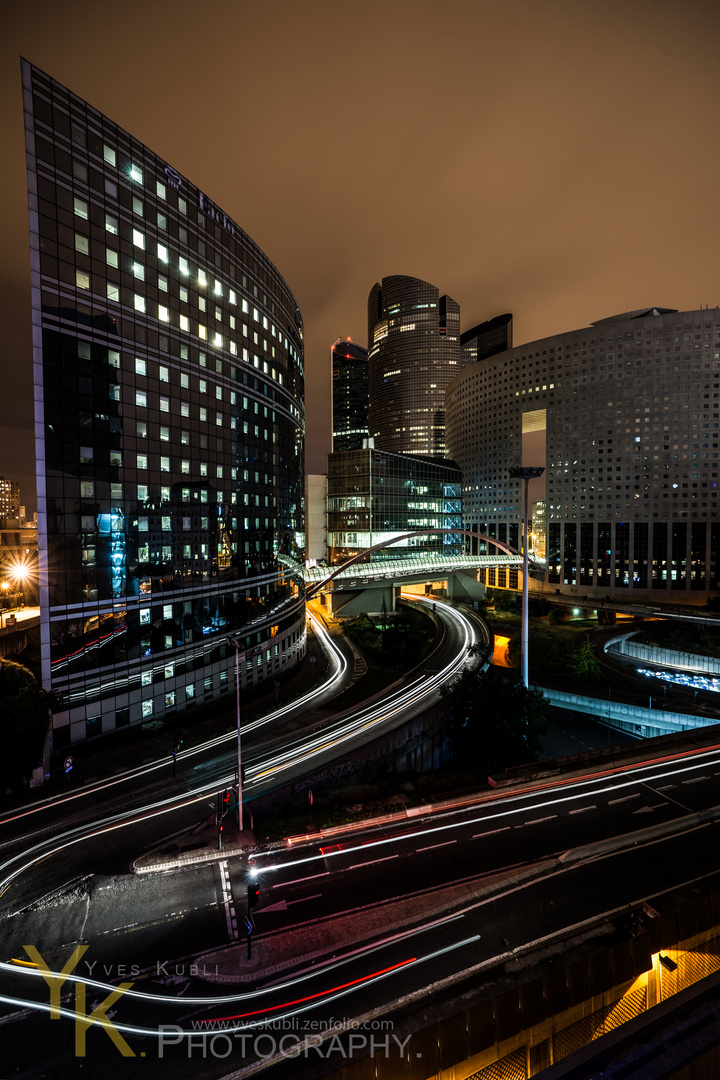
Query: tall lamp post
[236,647]
[526,473]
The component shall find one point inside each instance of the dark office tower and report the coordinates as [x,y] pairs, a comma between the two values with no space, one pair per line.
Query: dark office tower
[486,339]
[349,363]
[414,352]
[168,368]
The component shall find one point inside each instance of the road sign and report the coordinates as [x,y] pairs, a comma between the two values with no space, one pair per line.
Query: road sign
[68,764]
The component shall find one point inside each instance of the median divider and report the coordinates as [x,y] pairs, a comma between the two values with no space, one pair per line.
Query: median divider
[642,836]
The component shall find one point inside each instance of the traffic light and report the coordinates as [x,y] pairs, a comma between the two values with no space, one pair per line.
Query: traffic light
[253,893]
[178,740]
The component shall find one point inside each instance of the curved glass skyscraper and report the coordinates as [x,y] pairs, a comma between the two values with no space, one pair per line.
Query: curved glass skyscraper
[168,361]
[413,353]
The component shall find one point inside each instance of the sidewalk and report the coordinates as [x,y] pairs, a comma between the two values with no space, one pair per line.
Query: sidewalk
[349,932]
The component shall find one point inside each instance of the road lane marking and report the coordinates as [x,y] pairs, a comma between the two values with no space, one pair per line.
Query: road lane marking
[666,787]
[537,821]
[357,866]
[432,847]
[582,809]
[696,780]
[625,798]
[227,902]
[302,899]
[491,832]
[300,880]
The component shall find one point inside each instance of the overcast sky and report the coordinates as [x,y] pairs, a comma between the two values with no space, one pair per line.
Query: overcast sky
[560,160]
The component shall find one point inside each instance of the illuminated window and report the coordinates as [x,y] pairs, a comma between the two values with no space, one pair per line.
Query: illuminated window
[136,174]
[139,302]
[165,466]
[109,154]
[202,332]
[164,434]
[82,280]
[82,244]
[113,292]
[182,206]
[80,208]
[233,297]
[111,224]
[218,341]
[161,221]
[163,373]
[162,252]
[184,322]
[184,408]
[164,404]
[111,257]
[218,288]
[163,313]
[185,467]
[138,239]
[184,269]
[138,271]
[137,206]
[184,379]
[202,280]
[142,461]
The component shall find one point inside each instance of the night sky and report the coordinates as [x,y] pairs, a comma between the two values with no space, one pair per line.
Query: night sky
[559,160]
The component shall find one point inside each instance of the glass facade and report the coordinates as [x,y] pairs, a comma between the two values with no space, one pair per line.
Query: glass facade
[168,367]
[486,339]
[626,413]
[349,363]
[374,496]
[414,352]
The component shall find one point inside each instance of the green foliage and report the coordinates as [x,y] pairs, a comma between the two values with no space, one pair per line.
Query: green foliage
[583,662]
[24,722]
[496,722]
[504,599]
[401,640]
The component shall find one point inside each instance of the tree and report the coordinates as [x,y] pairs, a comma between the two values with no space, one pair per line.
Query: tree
[24,723]
[495,721]
[584,662]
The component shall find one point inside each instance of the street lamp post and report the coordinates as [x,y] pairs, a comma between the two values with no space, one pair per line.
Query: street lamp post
[236,647]
[525,473]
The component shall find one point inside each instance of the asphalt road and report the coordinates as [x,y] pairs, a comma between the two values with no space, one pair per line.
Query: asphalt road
[163,913]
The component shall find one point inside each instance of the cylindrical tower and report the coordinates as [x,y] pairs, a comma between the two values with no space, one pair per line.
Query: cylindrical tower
[414,352]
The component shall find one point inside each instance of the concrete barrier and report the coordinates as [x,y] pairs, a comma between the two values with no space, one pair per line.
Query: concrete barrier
[640,722]
[624,645]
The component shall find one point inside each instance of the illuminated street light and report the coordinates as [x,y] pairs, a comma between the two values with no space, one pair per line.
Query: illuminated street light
[526,473]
